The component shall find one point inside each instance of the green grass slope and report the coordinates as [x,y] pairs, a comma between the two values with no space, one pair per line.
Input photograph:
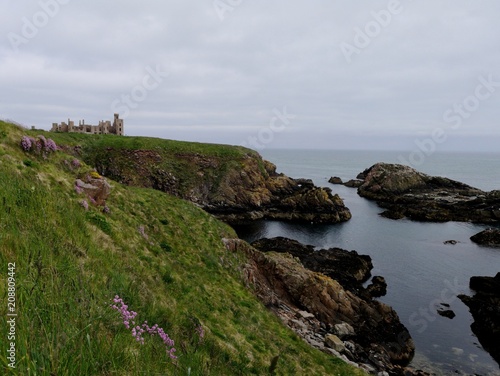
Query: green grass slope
[162,255]
[111,154]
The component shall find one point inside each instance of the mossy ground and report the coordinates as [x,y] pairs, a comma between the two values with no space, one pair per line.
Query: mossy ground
[162,255]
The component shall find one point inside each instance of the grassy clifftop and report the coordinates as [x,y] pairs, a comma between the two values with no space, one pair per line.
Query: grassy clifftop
[174,166]
[162,255]
[232,182]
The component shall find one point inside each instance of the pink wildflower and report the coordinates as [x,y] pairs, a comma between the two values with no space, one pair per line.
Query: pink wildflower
[26,143]
[138,331]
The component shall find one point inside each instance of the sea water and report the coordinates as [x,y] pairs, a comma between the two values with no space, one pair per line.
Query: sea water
[421,271]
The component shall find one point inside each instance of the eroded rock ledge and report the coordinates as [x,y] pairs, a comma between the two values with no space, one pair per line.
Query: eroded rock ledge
[330,317]
[406,192]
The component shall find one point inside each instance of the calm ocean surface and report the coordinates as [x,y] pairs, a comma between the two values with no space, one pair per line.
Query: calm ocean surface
[420,270]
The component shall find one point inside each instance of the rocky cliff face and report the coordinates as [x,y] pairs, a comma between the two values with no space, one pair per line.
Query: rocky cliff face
[330,317]
[406,192]
[485,309]
[238,188]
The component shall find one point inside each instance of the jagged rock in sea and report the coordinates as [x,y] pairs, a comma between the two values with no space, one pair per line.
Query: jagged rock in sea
[377,287]
[298,276]
[448,313]
[485,309]
[489,237]
[353,183]
[406,192]
[335,180]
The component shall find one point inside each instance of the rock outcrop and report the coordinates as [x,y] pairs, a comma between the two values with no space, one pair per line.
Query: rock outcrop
[485,309]
[489,237]
[236,185]
[335,180]
[347,267]
[366,331]
[248,194]
[95,187]
[406,192]
[353,183]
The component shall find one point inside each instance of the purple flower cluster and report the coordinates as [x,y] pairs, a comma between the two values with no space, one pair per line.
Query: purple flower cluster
[106,210]
[50,145]
[138,330]
[27,143]
[46,145]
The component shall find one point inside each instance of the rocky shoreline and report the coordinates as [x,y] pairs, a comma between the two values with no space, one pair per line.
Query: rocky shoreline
[406,192]
[340,318]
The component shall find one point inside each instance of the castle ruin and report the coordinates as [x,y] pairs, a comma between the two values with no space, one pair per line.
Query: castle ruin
[104,127]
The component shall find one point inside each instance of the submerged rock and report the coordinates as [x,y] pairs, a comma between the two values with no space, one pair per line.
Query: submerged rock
[448,313]
[406,192]
[488,237]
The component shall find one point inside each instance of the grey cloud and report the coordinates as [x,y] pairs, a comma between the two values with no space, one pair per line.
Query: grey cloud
[226,77]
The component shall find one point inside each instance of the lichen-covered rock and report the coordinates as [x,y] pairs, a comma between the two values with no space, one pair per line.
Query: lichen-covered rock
[406,192]
[334,342]
[96,188]
[343,330]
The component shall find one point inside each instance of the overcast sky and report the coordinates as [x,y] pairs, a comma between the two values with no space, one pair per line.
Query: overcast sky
[268,74]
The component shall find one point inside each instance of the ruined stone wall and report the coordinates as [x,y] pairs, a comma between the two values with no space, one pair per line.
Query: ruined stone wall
[104,127]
